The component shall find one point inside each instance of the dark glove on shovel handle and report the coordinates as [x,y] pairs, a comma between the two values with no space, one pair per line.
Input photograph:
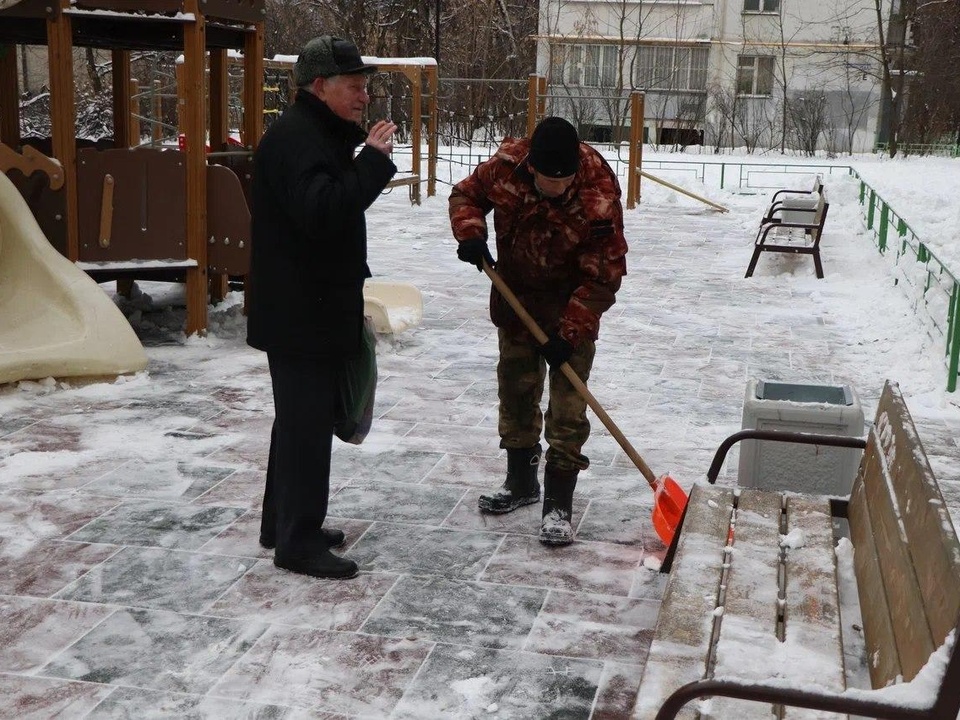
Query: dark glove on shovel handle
[556,351]
[475,251]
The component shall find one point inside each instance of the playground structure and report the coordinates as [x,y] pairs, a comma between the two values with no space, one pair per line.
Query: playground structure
[110,214]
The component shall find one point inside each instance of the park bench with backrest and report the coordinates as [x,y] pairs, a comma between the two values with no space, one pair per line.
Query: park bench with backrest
[752,614]
[795,230]
[796,203]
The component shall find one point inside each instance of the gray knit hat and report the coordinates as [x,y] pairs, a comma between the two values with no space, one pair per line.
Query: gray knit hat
[326,56]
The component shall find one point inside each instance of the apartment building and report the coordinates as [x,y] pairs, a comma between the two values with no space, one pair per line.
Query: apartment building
[798,74]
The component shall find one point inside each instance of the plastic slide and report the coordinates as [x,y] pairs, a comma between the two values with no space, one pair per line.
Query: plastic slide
[55,321]
[393,306]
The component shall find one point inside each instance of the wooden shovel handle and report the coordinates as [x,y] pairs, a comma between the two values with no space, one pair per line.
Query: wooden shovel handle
[572,376]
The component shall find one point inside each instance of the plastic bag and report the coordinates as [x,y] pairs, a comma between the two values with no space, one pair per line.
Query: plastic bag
[356,388]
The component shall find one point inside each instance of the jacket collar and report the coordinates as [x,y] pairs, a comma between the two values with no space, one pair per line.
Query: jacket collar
[348,131]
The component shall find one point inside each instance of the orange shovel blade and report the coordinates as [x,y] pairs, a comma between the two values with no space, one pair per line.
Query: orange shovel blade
[669,501]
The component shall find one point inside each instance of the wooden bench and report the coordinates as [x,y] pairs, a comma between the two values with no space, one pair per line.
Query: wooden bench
[752,614]
[782,220]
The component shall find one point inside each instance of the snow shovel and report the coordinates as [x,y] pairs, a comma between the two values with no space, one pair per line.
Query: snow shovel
[669,499]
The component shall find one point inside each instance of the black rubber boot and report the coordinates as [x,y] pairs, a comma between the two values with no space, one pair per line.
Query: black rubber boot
[334,538]
[558,487]
[323,564]
[521,486]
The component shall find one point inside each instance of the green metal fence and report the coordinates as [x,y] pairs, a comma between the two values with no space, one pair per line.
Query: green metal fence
[934,289]
[937,149]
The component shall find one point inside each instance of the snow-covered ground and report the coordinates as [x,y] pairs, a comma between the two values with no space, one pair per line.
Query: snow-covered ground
[131,581]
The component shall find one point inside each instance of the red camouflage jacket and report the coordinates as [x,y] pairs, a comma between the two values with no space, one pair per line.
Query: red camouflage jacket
[562,257]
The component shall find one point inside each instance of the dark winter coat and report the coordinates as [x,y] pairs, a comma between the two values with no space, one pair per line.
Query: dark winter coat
[562,257]
[309,254]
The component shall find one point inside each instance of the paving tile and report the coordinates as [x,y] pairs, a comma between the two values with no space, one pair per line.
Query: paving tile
[156,649]
[617,693]
[167,479]
[243,488]
[158,524]
[416,549]
[33,631]
[616,522]
[399,465]
[479,614]
[149,704]
[48,566]
[458,682]
[158,578]
[485,473]
[267,594]
[325,671]
[395,502]
[31,698]
[581,567]
[603,627]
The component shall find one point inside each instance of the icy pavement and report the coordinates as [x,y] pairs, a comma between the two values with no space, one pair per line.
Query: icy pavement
[131,581]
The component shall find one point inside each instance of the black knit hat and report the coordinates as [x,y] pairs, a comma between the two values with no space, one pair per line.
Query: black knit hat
[555,148]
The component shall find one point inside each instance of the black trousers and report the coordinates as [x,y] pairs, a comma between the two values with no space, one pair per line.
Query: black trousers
[298,471]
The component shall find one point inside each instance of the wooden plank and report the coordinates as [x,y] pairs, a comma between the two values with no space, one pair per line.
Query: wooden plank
[931,538]
[9,97]
[62,117]
[877,624]
[748,646]
[812,607]
[194,70]
[124,135]
[911,632]
[682,638]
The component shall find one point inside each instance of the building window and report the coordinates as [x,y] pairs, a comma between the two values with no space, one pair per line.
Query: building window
[666,67]
[755,75]
[585,65]
[761,6]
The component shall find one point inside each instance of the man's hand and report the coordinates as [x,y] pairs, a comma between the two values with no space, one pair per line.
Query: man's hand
[380,136]
[475,251]
[556,351]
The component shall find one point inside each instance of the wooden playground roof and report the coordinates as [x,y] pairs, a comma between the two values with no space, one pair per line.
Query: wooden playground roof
[124,25]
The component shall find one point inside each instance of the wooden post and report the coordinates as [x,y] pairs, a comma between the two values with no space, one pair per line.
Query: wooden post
[63,119]
[541,96]
[122,122]
[156,111]
[432,151]
[195,130]
[253,87]
[252,100]
[135,109]
[219,132]
[636,142]
[413,74]
[532,105]
[219,121]
[9,97]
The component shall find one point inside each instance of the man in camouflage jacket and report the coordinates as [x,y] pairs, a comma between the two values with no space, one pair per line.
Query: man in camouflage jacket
[561,250]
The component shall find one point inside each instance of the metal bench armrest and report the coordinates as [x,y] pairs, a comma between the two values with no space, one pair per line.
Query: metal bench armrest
[777,436]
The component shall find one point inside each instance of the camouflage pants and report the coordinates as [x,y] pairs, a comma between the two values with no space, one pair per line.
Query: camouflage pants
[521,373]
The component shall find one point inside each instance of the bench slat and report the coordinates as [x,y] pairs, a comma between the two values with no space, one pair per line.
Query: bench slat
[748,627]
[812,611]
[684,629]
[874,609]
[932,541]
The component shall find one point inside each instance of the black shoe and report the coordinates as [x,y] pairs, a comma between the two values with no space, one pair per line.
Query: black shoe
[503,501]
[334,538]
[521,486]
[558,487]
[321,565]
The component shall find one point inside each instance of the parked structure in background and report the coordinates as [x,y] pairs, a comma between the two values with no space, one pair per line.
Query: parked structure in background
[804,75]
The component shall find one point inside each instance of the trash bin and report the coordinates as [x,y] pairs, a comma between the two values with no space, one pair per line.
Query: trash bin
[814,469]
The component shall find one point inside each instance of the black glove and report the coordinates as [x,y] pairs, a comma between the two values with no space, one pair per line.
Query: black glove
[474,251]
[556,351]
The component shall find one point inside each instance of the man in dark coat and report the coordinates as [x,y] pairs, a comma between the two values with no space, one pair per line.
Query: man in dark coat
[309,262]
